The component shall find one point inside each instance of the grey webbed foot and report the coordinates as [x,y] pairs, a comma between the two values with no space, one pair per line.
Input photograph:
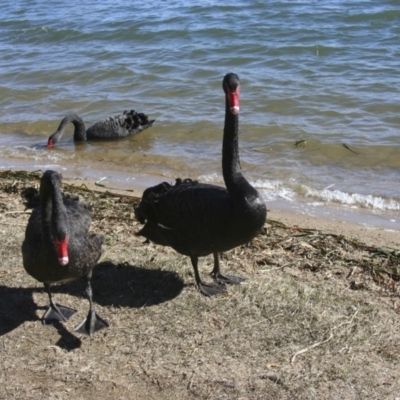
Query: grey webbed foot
[91,324]
[219,278]
[56,313]
[211,289]
[227,278]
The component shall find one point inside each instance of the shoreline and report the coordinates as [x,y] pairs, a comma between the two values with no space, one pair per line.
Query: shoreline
[135,178]
[326,219]
[371,235]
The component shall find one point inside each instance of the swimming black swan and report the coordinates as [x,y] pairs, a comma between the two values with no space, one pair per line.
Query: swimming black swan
[119,126]
[198,219]
[59,248]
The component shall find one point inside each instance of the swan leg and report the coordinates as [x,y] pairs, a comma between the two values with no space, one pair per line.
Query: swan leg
[216,273]
[208,289]
[56,312]
[93,322]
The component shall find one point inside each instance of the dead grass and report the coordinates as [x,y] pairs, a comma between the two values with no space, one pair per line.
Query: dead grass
[318,317]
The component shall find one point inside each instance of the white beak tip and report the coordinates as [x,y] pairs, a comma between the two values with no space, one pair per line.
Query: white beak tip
[235,110]
[63,260]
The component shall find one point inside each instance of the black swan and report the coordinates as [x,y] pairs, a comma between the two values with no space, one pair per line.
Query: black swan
[198,219]
[119,126]
[59,248]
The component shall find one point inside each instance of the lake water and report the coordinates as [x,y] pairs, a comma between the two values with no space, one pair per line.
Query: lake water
[324,73]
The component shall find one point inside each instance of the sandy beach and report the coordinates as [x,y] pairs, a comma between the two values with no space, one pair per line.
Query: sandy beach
[318,315]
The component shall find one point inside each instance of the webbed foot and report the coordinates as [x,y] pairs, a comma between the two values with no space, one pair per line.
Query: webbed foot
[56,313]
[227,279]
[91,324]
[211,289]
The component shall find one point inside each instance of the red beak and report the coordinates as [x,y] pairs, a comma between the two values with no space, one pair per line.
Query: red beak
[233,98]
[62,251]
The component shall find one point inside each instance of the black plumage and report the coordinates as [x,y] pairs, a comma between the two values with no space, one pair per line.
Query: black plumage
[58,246]
[199,219]
[116,127]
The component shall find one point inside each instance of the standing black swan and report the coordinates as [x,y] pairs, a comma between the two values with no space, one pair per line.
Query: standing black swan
[198,219]
[59,248]
[119,126]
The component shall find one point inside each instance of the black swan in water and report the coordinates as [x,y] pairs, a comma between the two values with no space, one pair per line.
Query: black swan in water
[59,248]
[198,219]
[119,126]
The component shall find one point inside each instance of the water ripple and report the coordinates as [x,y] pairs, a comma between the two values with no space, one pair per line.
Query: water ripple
[323,72]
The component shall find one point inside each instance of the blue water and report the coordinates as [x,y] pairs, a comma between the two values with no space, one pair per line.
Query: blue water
[322,72]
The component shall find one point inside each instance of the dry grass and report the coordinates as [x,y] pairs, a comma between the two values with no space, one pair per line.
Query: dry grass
[318,317]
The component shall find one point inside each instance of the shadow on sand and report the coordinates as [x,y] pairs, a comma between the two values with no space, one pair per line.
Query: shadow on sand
[119,285]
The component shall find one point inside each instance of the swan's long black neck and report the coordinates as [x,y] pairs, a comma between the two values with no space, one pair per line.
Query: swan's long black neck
[54,215]
[233,176]
[79,129]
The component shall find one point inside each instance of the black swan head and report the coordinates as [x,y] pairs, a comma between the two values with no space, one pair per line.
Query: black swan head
[50,193]
[79,130]
[231,86]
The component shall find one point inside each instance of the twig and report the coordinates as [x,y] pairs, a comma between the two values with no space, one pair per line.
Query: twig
[191,380]
[348,148]
[310,347]
[324,341]
[351,273]
[84,188]
[17,212]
